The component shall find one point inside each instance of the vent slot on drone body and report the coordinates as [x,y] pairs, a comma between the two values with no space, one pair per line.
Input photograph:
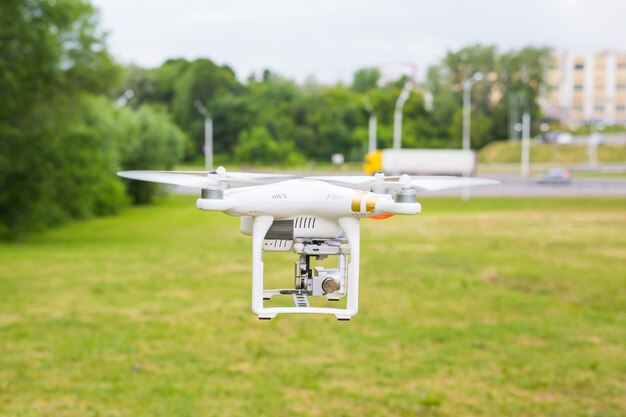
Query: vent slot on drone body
[255,212]
[334,197]
[305,222]
[281,196]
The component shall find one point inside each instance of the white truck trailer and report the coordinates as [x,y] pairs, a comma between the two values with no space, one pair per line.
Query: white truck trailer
[421,162]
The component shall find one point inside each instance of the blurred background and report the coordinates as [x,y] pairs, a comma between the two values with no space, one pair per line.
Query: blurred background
[490,306]
[89,89]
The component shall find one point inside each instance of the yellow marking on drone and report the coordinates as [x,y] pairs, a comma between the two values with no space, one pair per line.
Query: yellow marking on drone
[356,201]
[370,205]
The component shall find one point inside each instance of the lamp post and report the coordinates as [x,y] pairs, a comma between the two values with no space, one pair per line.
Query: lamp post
[372,139]
[525,162]
[467,87]
[397,115]
[208,134]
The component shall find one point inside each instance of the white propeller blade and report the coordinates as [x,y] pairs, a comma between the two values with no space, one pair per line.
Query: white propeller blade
[427,183]
[204,179]
[352,181]
[444,183]
[164,177]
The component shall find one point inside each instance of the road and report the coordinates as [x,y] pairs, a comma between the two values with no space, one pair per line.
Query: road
[514,187]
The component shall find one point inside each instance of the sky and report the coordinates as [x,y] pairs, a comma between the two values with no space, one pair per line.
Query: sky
[329,40]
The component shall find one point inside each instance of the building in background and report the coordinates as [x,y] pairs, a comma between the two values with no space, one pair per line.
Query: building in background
[586,88]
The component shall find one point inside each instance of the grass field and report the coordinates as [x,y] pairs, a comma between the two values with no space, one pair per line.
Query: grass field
[500,307]
[510,152]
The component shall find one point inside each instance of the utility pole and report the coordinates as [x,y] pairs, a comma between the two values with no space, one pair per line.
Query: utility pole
[467,87]
[397,115]
[467,103]
[208,134]
[373,126]
[525,163]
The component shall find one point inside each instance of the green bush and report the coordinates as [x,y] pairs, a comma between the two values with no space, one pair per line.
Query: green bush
[61,169]
[146,139]
[257,146]
[65,167]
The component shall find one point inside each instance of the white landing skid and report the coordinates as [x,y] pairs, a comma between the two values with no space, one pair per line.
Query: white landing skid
[260,226]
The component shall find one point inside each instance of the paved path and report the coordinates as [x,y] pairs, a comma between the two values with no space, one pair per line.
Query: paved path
[514,187]
[527,188]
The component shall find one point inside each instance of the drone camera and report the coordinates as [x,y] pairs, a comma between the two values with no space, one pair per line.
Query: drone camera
[319,281]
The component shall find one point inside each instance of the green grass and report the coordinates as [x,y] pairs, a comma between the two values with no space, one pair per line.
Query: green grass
[492,307]
[501,156]
[510,152]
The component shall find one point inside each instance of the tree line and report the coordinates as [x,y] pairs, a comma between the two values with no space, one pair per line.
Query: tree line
[269,119]
[64,133]
[62,139]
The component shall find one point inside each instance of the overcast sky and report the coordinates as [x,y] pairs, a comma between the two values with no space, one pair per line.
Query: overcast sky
[331,39]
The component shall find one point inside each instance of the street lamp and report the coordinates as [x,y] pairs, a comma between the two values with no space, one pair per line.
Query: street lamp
[467,86]
[371,146]
[397,116]
[208,134]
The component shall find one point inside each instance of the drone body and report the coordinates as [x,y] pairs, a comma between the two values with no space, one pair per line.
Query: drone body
[314,217]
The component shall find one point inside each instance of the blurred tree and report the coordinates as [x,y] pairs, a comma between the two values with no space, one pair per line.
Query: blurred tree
[61,140]
[513,77]
[146,139]
[62,167]
[204,81]
[521,77]
[259,147]
[55,162]
[365,79]
[480,130]
[232,114]
[51,47]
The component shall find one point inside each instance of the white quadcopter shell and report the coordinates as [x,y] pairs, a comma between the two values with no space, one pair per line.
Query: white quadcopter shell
[314,216]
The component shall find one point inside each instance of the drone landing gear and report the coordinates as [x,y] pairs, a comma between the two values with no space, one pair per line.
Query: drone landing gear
[331,283]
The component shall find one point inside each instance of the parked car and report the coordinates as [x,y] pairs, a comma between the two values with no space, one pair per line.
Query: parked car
[555,176]
[562,138]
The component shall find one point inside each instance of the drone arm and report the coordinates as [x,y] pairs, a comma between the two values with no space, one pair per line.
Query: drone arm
[392,207]
[214,204]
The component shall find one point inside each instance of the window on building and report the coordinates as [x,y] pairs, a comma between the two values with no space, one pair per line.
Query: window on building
[577,108]
[621,64]
[579,66]
[599,107]
[620,108]
[578,87]
[621,86]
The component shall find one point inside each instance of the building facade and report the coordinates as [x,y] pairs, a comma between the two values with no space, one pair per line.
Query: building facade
[586,88]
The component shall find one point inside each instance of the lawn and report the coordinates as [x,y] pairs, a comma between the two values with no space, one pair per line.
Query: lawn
[503,152]
[493,307]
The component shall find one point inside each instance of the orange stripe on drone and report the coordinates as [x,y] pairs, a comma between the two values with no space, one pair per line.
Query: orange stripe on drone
[357,202]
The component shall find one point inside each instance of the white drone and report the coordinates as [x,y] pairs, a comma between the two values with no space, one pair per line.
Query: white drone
[313,216]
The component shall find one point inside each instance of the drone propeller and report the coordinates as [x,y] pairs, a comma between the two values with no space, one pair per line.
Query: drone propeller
[217,179]
[425,183]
